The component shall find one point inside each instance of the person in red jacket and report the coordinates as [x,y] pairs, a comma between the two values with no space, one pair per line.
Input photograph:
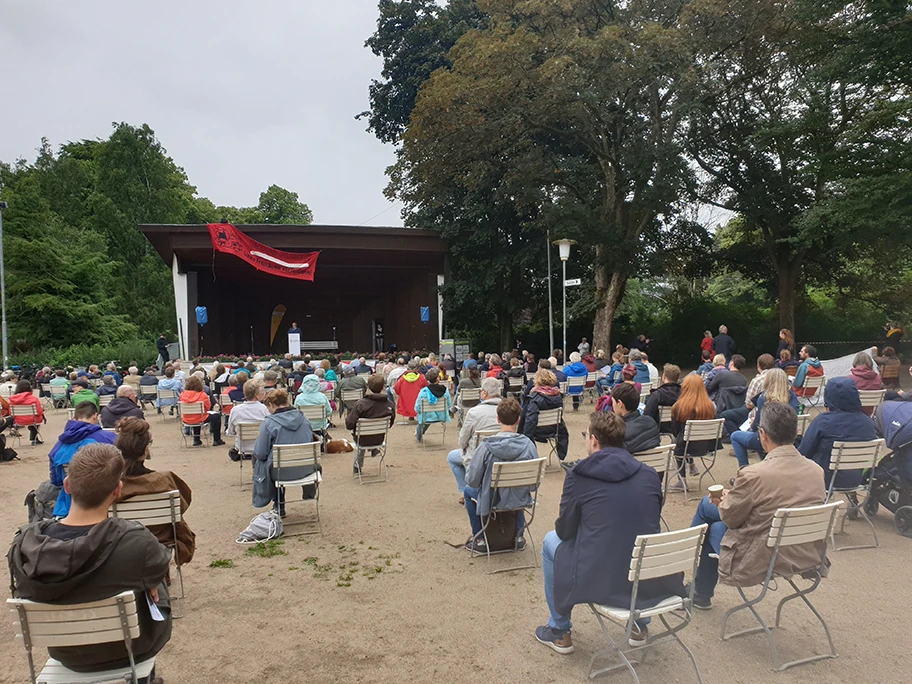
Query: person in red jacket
[23,397]
[706,344]
[407,388]
[194,393]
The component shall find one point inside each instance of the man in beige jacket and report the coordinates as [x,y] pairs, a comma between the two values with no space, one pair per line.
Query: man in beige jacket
[735,548]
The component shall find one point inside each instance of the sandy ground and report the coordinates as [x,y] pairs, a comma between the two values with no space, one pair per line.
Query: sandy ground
[378,596]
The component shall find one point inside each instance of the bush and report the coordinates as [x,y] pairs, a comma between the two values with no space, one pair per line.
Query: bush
[143,352]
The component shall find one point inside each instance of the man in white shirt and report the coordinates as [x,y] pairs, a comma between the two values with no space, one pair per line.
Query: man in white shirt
[251,411]
[178,373]
[653,371]
[584,347]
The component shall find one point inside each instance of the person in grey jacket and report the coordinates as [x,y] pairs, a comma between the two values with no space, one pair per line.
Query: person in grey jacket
[284,425]
[509,445]
[480,417]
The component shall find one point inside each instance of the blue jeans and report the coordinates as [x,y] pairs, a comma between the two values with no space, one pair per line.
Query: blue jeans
[471,494]
[558,622]
[454,460]
[742,442]
[420,429]
[734,419]
[603,385]
[708,570]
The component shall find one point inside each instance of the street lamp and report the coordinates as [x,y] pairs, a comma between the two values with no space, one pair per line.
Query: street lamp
[564,247]
[3,206]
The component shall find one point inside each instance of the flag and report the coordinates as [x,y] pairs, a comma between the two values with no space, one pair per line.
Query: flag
[299,265]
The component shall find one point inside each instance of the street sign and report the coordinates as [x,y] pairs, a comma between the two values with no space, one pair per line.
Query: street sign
[573,281]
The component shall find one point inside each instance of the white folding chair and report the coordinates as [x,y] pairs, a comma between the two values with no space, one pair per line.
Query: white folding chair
[317,414]
[70,413]
[516,387]
[665,419]
[246,433]
[372,427]
[147,395]
[654,556]
[479,435]
[348,399]
[165,395]
[660,460]
[506,475]
[105,399]
[562,386]
[29,411]
[151,510]
[466,399]
[42,625]
[287,458]
[551,418]
[871,398]
[854,456]
[425,407]
[644,394]
[576,382]
[816,383]
[195,409]
[791,527]
[703,431]
[591,388]
[803,421]
[46,396]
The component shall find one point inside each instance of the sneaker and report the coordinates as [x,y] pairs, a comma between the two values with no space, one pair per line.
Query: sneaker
[476,545]
[700,602]
[520,543]
[692,469]
[638,636]
[679,486]
[558,641]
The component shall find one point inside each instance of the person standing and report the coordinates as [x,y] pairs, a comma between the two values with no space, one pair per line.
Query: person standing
[706,344]
[163,356]
[583,348]
[786,341]
[294,329]
[723,344]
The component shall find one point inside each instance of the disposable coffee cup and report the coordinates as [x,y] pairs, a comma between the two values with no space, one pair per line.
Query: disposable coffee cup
[715,491]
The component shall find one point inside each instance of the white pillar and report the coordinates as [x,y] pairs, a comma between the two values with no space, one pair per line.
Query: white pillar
[180,304]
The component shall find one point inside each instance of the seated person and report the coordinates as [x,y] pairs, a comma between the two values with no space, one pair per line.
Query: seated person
[693,404]
[169,382]
[653,371]
[576,369]
[311,395]
[642,370]
[23,396]
[718,366]
[730,376]
[665,394]
[514,371]
[610,374]
[736,416]
[558,374]
[865,377]
[374,404]
[844,421]
[776,389]
[133,440]
[251,411]
[351,380]
[609,498]
[435,394]
[107,386]
[88,556]
[544,396]
[194,394]
[123,404]
[706,365]
[785,360]
[82,429]
[810,368]
[83,393]
[543,364]
[641,432]
[236,388]
[735,548]
[507,445]
[111,371]
[270,380]
[284,425]
[59,386]
[889,358]
[480,417]
[132,378]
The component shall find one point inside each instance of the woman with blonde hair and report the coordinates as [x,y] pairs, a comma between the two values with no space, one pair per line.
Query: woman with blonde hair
[776,390]
[545,395]
[693,404]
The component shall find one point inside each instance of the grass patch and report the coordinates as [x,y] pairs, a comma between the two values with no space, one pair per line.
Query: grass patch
[268,549]
[222,563]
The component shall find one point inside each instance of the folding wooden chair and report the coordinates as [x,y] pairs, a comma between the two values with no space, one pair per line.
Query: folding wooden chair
[506,475]
[367,427]
[42,625]
[427,407]
[889,375]
[349,398]
[871,398]
[660,460]
[573,383]
[479,435]
[151,510]
[105,399]
[286,457]
[790,527]
[665,419]
[700,431]
[317,414]
[562,386]
[516,387]
[803,421]
[165,395]
[29,411]
[194,408]
[551,418]
[590,388]
[46,395]
[854,456]
[147,395]
[465,400]
[246,433]
[654,556]
[816,383]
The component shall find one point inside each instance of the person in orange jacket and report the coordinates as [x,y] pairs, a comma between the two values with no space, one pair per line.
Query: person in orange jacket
[23,397]
[192,394]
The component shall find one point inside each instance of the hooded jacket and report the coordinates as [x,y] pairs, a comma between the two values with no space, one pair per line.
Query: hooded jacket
[609,498]
[642,432]
[844,421]
[118,381]
[157,482]
[191,397]
[24,399]
[312,396]
[285,426]
[120,407]
[505,446]
[437,395]
[866,379]
[113,556]
[76,434]
[809,367]
[664,395]
[577,370]
[544,398]
[370,406]
[407,388]
[642,372]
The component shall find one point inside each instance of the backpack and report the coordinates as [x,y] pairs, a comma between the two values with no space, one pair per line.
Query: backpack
[7,453]
[263,527]
[41,502]
[501,531]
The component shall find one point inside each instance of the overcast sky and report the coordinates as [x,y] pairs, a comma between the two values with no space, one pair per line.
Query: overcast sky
[241,94]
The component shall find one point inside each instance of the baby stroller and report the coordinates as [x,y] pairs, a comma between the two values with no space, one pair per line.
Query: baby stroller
[892,477]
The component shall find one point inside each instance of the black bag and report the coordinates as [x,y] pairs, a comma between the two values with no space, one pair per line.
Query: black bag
[6,453]
[501,531]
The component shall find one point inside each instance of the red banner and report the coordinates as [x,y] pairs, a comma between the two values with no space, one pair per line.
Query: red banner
[299,265]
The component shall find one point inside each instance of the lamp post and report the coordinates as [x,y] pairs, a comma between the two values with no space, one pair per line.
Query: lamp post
[3,206]
[550,300]
[564,247]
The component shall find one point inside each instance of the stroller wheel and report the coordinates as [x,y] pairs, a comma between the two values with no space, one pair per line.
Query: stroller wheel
[903,518]
[871,504]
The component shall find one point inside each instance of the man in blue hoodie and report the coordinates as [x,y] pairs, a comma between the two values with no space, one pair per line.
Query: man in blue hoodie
[844,421]
[577,369]
[609,498]
[81,430]
[636,360]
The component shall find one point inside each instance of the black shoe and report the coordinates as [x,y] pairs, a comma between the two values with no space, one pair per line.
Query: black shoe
[519,544]
[219,442]
[699,602]
[197,442]
[234,454]
[476,545]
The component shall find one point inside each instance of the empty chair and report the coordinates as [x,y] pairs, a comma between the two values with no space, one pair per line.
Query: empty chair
[854,456]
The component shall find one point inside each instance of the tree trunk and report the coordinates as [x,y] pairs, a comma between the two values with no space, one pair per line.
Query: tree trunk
[609,293]
[787,274]
[505,329]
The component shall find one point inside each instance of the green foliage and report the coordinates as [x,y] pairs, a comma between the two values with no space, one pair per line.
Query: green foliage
[222,563]
[267,549]
[141,351]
